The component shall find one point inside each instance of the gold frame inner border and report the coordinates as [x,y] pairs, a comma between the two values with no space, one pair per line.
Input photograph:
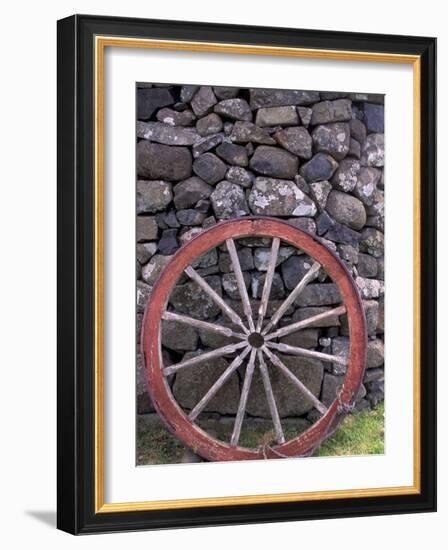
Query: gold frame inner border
[101,43]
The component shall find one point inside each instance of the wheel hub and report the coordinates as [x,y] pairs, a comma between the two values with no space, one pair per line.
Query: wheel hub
[255,339]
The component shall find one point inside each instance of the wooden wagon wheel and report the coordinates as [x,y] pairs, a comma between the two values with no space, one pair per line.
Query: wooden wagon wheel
[255,343]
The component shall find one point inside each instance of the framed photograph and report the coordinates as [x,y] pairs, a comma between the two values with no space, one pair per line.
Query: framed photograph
[246,274]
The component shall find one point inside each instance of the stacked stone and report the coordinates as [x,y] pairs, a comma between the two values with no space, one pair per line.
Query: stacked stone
[314,159]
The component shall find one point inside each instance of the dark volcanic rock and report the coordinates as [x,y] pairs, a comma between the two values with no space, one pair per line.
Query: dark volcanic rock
[150,99]
[320,168]
[176,118]
[294,269]
[168,242]
[203,101]
[374,118]
[319,295]
[271,161]
[240,176]
[146,228]
[207,143]
[155,161]
[210,124]
[346,176]
[188,192]
[192,300]
[225,92]
[233,154]
[210,168]
[372,153]
[178,336]
[189,216]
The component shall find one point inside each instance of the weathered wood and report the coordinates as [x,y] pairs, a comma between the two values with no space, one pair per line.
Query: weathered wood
[243,399]
[199,407]
[294,327]
[202,325]
[268,282]
[284,369]
[219,352]
[292,350]
[240,282]
[270,398]
[231,314]
[309,276]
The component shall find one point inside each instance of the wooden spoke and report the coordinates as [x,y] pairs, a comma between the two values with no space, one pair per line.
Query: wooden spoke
[284,369]
[240,282]
[268,282]
[294,327]
[199,407]
[292,350]
[202,283]
[309,276]
[243,399]
[202,325]
[219,352]
[270,398]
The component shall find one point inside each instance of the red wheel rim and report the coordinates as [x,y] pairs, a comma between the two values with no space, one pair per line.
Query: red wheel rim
[166,406]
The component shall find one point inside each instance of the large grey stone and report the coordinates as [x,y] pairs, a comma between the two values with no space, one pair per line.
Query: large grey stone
[247,132]
[188,192]
[187,92]
[145,251]
[235,109]
[151,270]
[150,99]
[229,201]
[178,336]
[357,130]
[372,242]
[277,116]
[290,401]
[296,140]
[319,295]
[167,134]
[192,384]
[146,229]
[207,143]
[319,168]
[333,139]
[305,224]
[192,300]
[330,387]
[203,101]
[371,310]
[176,118]
[331,111]
[277,288]
[261,97]
[210,168]
[372,152]
[271,161]
[375,354]
[346,209]
[306,338]
[276,197]
[190,216]
[305,114]
[210,124]
[156,161]
[233,154]
[346,176]
[153,196]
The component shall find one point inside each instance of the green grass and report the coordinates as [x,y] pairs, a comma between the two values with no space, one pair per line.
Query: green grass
[361,433]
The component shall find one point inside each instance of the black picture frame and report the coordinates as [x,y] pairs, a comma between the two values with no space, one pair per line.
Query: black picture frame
[76,224]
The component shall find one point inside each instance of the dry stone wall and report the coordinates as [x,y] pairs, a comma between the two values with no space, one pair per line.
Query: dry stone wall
[314,159]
